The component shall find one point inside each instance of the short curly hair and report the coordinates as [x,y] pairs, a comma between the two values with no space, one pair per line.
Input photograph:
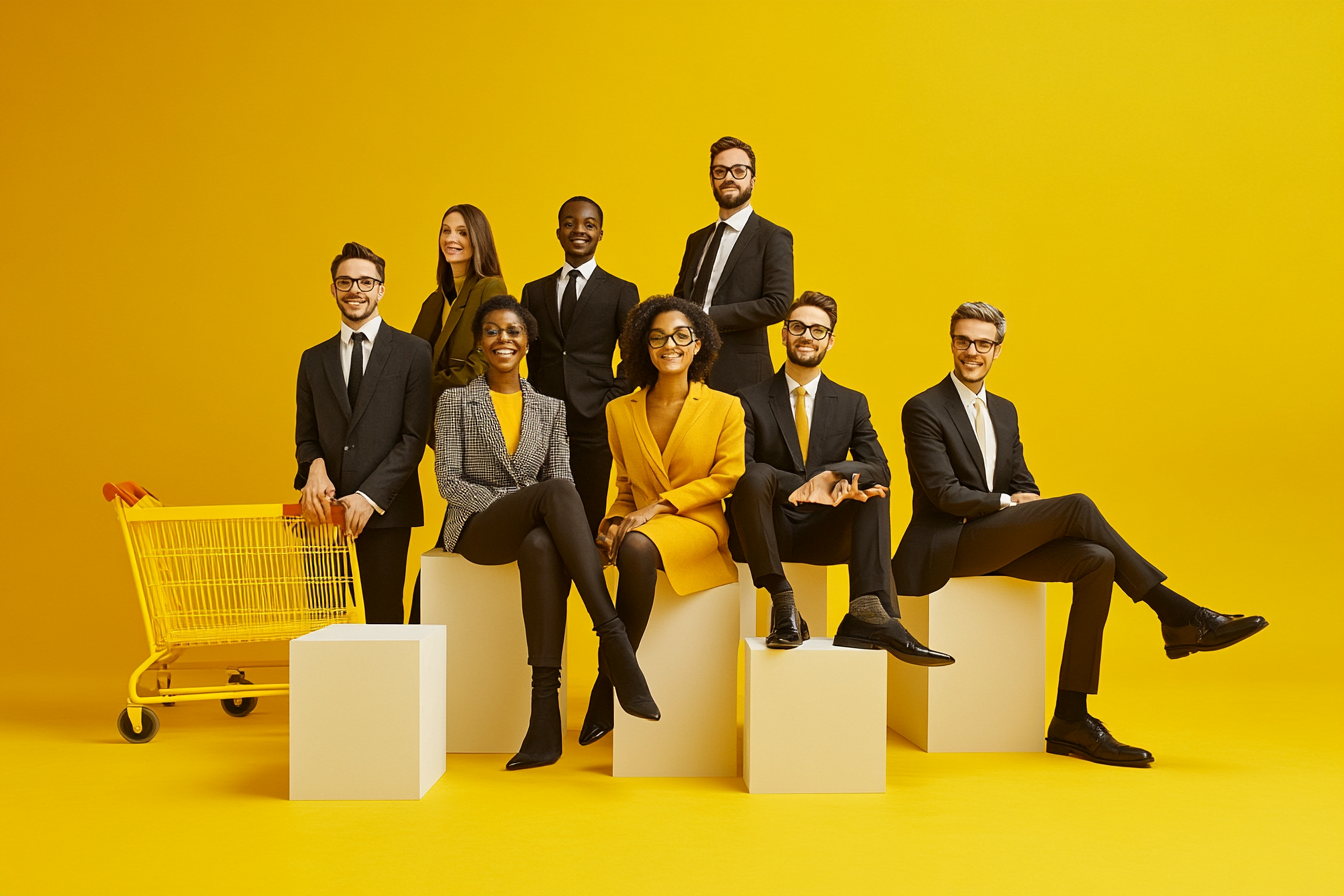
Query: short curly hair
[505,303]
[639,369]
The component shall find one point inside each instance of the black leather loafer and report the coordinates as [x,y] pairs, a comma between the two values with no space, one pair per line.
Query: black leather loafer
[787,630]
[1089,739]
[891,637]
[1209,630]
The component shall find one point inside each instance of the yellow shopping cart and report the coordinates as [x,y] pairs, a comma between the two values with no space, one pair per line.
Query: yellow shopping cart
[227,575]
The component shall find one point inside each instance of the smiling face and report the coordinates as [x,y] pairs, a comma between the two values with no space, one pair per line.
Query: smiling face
[970,365]
[580,231]
[503,340]
[672,359]
[455,242]
[804,350]
[355,306]
[730,192]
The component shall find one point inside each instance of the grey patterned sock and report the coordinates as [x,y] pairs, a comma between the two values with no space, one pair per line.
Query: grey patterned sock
[782,601]
[869,609]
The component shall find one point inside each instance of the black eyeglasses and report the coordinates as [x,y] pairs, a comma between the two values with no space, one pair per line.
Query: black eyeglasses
[682,336]
[739,172]
[364,284]
[798,328]
[983,346]
[513,332]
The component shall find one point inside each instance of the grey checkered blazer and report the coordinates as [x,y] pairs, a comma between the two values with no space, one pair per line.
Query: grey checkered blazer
[470,461]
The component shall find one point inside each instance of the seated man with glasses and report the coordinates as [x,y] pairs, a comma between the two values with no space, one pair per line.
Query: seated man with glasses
[363,411]
[815,491]
[978,511]
[739,270]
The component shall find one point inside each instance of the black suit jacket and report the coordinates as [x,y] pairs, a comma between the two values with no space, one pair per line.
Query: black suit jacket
[841,427]
[755,291]
[947,476]
[576,367]
[376,446]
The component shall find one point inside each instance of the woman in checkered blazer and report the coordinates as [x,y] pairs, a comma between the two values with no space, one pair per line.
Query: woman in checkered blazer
[502,461]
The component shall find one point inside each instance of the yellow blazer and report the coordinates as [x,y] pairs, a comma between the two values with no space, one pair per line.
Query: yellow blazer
[705,456]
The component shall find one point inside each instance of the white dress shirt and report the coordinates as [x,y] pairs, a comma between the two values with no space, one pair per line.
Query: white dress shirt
[991,455]
[809,400]
[585,273]
[370,331]
[730,235]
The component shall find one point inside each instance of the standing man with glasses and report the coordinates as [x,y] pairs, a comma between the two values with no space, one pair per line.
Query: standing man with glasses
[815,491]
[580,310]
[363,410]
[738,269]
[978,511]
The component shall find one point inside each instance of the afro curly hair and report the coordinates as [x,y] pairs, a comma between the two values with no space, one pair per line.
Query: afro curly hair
[639,369]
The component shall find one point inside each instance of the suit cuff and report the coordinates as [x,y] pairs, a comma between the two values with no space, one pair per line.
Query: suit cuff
[1005,502]
[372,502]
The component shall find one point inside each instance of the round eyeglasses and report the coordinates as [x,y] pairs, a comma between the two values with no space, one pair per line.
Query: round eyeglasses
[983,346]
[680,336]
[798,328]
[349,284]
[739,172]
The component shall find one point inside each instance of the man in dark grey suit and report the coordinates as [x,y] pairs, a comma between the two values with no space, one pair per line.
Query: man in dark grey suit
[739,269]
[977,511]
[363,408]
[580,310]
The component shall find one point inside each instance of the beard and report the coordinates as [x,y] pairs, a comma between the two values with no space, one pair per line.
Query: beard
[814,361]
[369,308]
[743,197]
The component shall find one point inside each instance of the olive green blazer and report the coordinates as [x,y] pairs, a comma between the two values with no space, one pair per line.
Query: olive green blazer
[456,360]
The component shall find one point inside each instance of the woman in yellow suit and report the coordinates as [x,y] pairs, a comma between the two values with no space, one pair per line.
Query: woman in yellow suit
[679,449]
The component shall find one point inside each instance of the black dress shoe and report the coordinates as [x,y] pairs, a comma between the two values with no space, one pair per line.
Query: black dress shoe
[1208,630]
[787,629]
[890,636]
[1088,739]
[601,715]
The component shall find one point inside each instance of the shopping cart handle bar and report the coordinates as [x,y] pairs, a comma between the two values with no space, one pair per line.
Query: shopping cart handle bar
[128,491]
[336,513]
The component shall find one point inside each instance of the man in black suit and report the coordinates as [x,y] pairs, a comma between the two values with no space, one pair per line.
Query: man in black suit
[968,523]
[363,408]
[739,269]
[801,500]
[580,310]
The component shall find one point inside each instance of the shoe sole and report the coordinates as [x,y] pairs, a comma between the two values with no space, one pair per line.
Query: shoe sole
[1176,651]
[858,644]
[1062,748]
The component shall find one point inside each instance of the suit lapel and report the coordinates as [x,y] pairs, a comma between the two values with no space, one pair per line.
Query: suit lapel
[823,417]
[779,404]
[1002,460]
[647,443]
[479,394]
[744,239]
[533,440]
[454,314]
[592,288]
[552,311]
[331,363]
[695,405]
[957,411]
[697,256]
[378,354]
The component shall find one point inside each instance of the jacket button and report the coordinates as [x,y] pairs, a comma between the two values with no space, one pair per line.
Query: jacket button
[347,447]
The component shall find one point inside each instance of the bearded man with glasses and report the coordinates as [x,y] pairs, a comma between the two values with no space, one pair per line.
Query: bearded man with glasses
[815,491]
[739,270]
[978,511]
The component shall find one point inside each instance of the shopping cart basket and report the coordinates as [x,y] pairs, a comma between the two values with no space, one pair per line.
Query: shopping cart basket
[227,575]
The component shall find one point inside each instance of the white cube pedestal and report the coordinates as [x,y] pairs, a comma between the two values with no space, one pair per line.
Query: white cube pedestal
[992,700]
[816,719]
[809,595]
[689,657]
[366,712]
[489,693]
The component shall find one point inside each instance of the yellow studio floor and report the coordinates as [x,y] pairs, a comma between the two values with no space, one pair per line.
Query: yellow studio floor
[1245,798]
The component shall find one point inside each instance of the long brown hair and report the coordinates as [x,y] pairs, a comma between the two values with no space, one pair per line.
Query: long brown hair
[484,258]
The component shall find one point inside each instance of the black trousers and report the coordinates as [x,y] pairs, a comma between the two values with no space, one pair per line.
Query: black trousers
[590,462]
[1061,540]
[541,527]
[382,572]
[768,531]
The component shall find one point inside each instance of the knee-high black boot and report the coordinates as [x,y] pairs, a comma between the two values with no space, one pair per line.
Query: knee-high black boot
[618,659]
[544,741]
[601,715]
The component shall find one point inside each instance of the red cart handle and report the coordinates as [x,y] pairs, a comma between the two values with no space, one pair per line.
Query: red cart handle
[336,513]
[128,491]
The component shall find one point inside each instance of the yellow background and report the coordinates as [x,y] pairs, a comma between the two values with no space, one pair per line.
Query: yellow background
[1153,193]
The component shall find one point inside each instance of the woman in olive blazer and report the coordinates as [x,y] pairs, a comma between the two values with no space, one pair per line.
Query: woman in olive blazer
[679,448]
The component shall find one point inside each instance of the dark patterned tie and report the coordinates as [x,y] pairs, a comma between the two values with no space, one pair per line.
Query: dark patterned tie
[707,267]
[569,301]
[356,367]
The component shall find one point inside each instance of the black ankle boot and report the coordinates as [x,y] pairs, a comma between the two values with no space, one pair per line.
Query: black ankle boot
[601,716]
[544,741]
[617,657]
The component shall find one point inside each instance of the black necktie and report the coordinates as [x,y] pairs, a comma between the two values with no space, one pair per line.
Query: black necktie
[707,267]
[356,367]
[569,301]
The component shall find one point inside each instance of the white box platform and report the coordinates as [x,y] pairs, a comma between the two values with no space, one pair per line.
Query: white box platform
[489,692]
[809,595]
[689,658]
[366,712]
[992,700]
[816,719]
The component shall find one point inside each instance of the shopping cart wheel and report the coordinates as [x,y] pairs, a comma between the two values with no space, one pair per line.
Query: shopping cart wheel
[240,706]
[149,726]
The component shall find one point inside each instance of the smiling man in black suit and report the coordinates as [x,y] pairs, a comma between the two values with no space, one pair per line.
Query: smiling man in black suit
[967,523]
[739,269]
[580,310]
[363,411]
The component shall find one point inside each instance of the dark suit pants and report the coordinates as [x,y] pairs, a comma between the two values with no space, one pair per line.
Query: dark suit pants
[590,462]
[1061,540]
[768,531]
[541,527]
[382,572]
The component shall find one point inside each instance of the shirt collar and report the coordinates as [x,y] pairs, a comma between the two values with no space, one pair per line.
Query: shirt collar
[810,387]
[370,329]
[967,396]
[738,219]
[585,270]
